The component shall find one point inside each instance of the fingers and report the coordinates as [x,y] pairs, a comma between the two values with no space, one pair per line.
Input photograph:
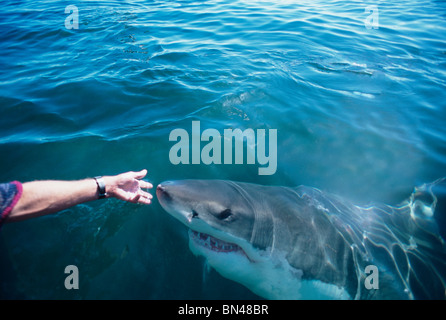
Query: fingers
[145,185]
[142,184]
[143,197]
[144,200]
[129,188]
[139,175]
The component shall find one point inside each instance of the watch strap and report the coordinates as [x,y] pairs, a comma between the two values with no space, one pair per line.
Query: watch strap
[101,187]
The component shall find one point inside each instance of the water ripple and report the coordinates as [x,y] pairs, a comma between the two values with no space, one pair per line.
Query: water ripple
[359,112]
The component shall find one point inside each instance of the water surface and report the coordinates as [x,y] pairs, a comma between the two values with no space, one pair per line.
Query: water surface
[359,112]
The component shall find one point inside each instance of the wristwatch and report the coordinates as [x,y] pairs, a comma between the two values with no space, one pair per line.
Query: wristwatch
[101,187]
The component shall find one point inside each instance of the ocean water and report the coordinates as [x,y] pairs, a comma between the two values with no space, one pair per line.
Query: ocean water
[359,106]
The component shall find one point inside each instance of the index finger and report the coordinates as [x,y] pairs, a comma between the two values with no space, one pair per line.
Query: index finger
[144,184]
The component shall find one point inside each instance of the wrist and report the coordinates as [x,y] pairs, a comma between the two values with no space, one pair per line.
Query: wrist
[109,186]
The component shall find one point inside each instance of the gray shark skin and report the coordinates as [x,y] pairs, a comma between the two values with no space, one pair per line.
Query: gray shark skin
[302,243]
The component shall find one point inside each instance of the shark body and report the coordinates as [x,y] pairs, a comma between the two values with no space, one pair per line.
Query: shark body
[302,243]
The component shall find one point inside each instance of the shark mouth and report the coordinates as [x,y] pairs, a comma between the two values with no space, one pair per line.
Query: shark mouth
[212,243]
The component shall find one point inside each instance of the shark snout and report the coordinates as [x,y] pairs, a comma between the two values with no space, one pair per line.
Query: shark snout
[177,198]
[162,191]
[173,192]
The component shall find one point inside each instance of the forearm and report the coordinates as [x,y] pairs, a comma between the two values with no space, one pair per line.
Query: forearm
[45,197]
[39,198]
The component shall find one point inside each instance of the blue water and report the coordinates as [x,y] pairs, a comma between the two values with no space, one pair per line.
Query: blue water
[359,112]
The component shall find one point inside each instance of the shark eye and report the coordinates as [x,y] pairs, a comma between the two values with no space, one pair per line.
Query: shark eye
[194,214]
[224,214]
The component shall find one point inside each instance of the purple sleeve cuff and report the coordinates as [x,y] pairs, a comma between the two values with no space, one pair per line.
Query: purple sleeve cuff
[10,194]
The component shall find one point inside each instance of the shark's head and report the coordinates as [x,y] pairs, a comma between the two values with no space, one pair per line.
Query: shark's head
[243,230]
[219,219]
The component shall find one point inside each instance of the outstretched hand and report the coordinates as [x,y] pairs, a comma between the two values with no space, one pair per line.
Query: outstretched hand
[128,187]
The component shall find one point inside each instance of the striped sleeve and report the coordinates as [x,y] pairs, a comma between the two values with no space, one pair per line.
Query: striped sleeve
[10,194]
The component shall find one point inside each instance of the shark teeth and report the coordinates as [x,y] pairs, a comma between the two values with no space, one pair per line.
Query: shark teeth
[212,243]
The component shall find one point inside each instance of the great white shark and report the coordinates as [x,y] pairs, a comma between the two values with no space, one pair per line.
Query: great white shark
[302,243]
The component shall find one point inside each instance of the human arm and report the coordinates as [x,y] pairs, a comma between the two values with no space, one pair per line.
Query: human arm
[45,197]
